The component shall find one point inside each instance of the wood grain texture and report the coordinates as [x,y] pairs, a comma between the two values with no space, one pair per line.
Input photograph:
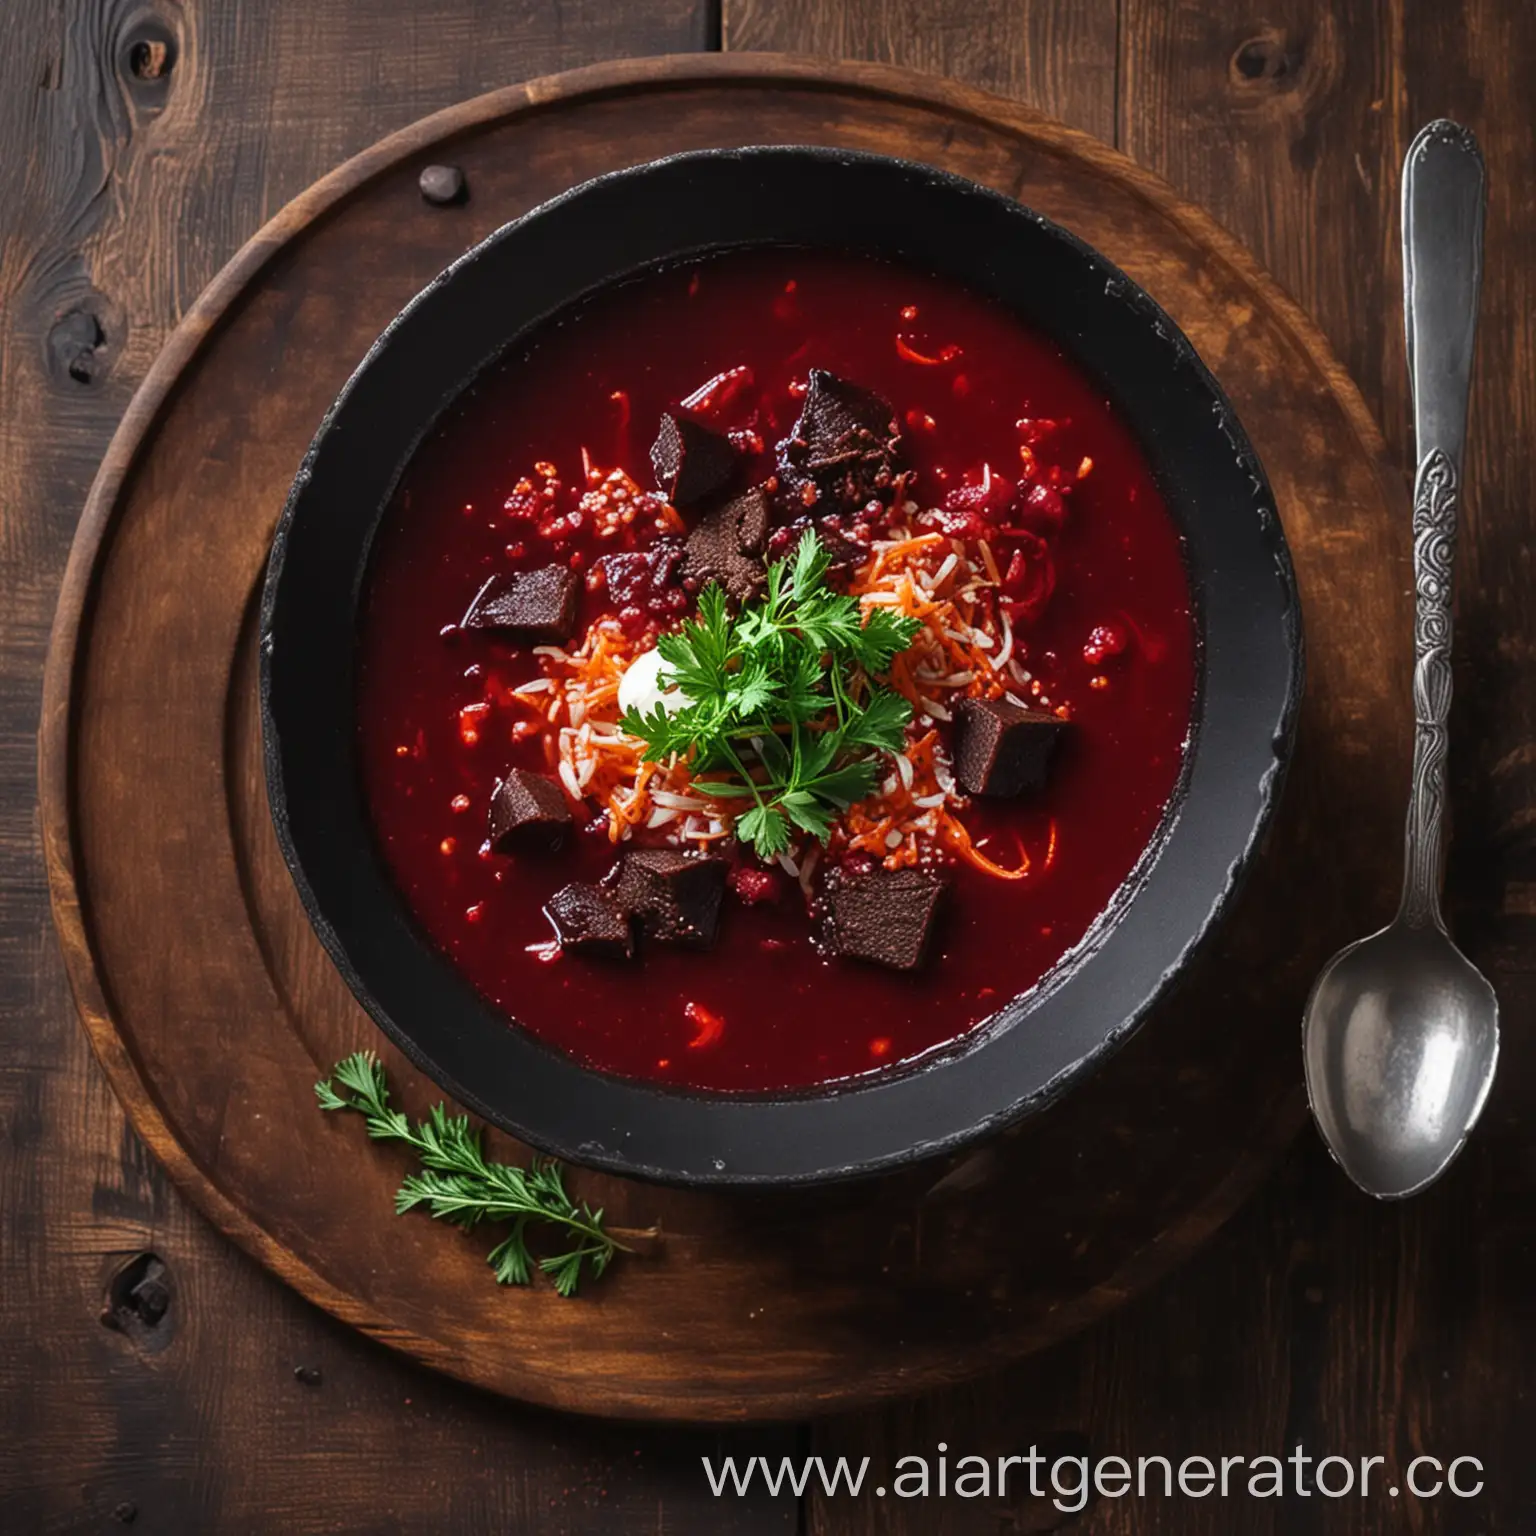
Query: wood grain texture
[1317,1315]
[1059,58]
[121,197]
[213,1008]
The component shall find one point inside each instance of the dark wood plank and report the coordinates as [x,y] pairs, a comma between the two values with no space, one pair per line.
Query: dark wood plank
[1286,122]
[1420,1331]
[121,197]
[1317,1315]
[1057,56]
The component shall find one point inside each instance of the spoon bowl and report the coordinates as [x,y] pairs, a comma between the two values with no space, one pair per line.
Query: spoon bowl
[1402,1040]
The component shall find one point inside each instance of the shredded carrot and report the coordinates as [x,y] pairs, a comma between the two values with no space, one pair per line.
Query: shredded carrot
[708,1024]
[960,840]
[894,552]
[906,350]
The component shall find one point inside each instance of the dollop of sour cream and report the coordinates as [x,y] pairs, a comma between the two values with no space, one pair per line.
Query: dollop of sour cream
[646,684]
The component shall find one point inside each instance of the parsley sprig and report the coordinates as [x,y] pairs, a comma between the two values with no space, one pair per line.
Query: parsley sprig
[782,709]
[459,1185]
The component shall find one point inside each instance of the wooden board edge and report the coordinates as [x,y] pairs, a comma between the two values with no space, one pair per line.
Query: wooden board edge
[72,616]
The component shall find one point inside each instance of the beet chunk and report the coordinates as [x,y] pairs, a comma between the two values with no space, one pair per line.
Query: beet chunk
[842,449]
[588,922]
[882,915]
[1001,749]
[646,583]
[692,463]
[675,897]
[527,811]
[726,546]
[843,554]
[538,606]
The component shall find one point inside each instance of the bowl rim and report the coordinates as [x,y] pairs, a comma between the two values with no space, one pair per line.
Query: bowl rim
[866,1149]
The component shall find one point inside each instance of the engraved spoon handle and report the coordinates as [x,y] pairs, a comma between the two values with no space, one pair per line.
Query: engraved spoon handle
[1443,200]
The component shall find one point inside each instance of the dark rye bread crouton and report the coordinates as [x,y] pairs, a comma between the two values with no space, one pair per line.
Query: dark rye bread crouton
[528,810]
[674,897]
[885,916]
[692,463]
[537,606]
[1003,749]
[587,921]
[726,546]
[843,448]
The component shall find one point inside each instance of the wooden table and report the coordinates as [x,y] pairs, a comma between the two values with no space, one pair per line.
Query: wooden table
[142,144]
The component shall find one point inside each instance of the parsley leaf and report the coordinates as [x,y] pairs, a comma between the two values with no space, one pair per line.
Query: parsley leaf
[460,1185]
[883,637]
[843,786]
[783,707]
[881,723]
[765,828]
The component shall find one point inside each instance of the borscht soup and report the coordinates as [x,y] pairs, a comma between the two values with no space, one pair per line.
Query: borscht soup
[770,668]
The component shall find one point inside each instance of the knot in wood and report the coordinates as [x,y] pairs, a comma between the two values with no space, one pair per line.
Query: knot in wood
[138,1301]
[1265,60]
[149,58]
[75,344]
[147,54]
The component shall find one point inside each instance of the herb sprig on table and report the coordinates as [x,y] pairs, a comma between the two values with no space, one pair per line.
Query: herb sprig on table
[782,709]
[460,1185]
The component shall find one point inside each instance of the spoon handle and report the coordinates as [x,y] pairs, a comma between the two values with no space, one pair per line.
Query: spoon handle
[1443,200]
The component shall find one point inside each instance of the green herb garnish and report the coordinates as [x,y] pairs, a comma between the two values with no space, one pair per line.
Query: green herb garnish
[783,709]
[460,1186]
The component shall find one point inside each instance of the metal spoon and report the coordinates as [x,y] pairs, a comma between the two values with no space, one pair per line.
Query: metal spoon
[1401,1034]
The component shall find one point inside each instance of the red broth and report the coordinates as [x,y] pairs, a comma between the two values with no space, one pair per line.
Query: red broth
[434,737]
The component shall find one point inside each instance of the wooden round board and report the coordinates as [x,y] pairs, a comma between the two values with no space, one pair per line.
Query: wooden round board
[213,1008]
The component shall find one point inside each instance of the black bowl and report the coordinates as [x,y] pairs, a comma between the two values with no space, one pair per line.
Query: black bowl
[1245,610]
